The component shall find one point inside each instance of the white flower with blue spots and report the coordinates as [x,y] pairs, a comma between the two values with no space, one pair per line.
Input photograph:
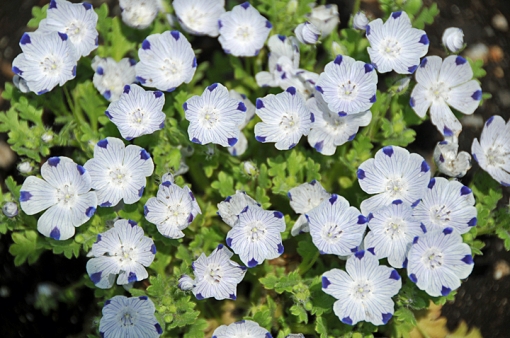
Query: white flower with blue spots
[445,84]
[129,317]
[364,292]
[216,275]
[118,172]
[325,18]
[166,61]
[242,144]
[348,86]
[110,77]
[256,236]
[394,175]
[396,45]
[307,33]
[330,130]
[449,161]
[137,112]
[199,17]
[336,227]
[139,14]
[48,59]
[172,210]
[232,206]
[65,192]
[493,151]
[214,117]
[438,260]
[243,328]
[77,21]
[304,198]
[447,204]
[123,250]
[392,230]
[243,30]
[285,118]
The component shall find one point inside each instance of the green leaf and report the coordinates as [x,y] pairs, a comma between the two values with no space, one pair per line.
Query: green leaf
[224,184]
[197,329]
[38,14]
[299,311]
[426,16]
[25,247]
[68,247]
[321,327]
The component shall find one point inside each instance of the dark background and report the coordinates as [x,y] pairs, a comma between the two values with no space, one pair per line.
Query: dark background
[482,301]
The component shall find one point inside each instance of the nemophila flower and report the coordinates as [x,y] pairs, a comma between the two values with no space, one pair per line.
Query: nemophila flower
[20,83]
[394,175]
[360,21]
[166,61]
[243,30]
[396,45]
[77,21]
[336,227]
[438,260]
[137,112]
[232,206]
[364,292]
[139,14]
[10,209]
[243,328]
[449,161]
[442,84]
[285,118]
[129,317]
[256,235]
[110,77]
[453,39]
[186,283]
[492,152]
[48,59]
[199,17]
[447,204]
[123,250]
[392,230]
[307,33]
[348,86]
[304,198]
[65,192]
[214,116]
[329,130]
[242,144]
[216,275]
[118,172]
[324,17]
[172,210]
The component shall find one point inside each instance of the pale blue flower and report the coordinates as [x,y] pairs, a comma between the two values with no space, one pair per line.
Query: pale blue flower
[139,14]
[216,275]
[243,328]
[304,198]
[137,112]
[493,151]
[285,119]
[392,230]
[243,30]
[450,161]
[445,84]
[48,59]
[199,17]
[324,17]
[65,190]
[123,250]
[364,292]
[438,260]
[166,61]
[77,21]
[396,45]
[348,86]
[110,77]
[242,143]
[172,210]
[394,175]
[118,172]
[447,204]
[256,236]
[129,317]
[232,206]
[336,227]
[214,117]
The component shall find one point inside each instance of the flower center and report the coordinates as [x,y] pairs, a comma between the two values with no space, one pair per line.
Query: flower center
[390,48]
[171,68]
[50,65]
[332,232]
[127,319]
[214,275]
[394,187]
[347,91]
[362,290]
[210,117]
[289,123]
[432,258]
[176,214]
[194,18]
[243,33]
[117,176]
[74,30]
[66,194]
[137,117]
[124,255]
[496,155]
[440,214]
[394,228]
[439,91]
[256,232]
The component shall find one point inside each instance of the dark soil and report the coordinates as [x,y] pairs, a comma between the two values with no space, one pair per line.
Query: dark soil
[482,301]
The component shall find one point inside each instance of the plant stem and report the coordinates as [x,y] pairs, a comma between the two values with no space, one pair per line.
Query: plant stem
[310,264]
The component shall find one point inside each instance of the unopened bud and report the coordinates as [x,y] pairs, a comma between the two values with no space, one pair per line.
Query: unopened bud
[307,33]
[250,169]
[25,167]
[47,137]
[338,49]
[292,6]
[10,209]
[360,21]
[186,283]
[453,39]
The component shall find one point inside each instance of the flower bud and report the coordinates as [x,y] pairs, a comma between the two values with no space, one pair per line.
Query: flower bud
[338,49]
[47,137]
[25,167]
[292,6]
[453,39]
[307,33]
[325,18]
[360,21]
[168,177]
[10,209]
[250,169]
[401,85]
[139,14]
[20,83]
[186,283]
